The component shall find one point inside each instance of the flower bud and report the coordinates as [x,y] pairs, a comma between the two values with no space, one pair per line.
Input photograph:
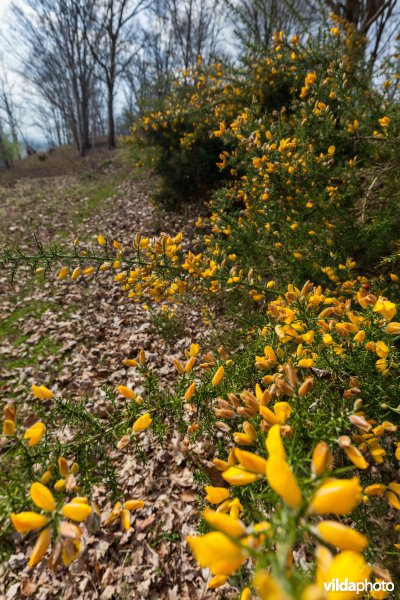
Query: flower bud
[305,387]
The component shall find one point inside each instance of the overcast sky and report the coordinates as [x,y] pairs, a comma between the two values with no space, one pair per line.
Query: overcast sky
[25,117]
[22,92]
[3,5]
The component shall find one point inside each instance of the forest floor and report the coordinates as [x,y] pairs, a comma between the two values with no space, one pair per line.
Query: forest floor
[72,337]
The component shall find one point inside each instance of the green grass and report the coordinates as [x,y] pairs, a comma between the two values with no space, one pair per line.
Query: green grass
[96,195]
[35,308]
[9,329]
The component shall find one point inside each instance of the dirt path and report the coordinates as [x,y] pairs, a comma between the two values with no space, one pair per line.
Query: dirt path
[72,337]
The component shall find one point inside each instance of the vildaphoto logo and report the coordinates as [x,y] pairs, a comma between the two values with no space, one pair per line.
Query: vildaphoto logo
[344,585]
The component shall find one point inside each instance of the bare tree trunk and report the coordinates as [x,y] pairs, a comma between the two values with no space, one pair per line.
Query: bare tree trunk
[112,41]
[111,122]
[3,154]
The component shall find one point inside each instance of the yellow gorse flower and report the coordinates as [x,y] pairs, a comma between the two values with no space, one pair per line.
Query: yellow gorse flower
[337,496]
[42,393]
[322,459]
[385,308]
[142,423]
[217,552]
[77,511]
[239,476]
[35,433]
[225,523]
[274,443]
[342,537]
[216,380]
[190,391]
[215,495]
[28,521]
[42,497]
[9,422]
[280,477]
[40,547]
[63,273]
[126,392]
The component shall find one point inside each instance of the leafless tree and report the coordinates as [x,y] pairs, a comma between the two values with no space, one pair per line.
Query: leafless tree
[113,40]
[371,19]
[196,26]
[9,143]
[7,105]
[57,59]
[149,74]
[175,33]
[255,21]
[375,21]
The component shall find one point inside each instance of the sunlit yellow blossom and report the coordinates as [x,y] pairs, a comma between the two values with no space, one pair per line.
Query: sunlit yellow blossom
[35,433]
[384,121]
[133,504]
[246,594]
[42,392]
[218,376]
[246,438]
[40,547]
[75,273]
[77,511]
[359,337]
[268,360]
[267,587]
[126,392]
[250,461]
[282,411]
[223,522]
[63,273]
[283,482]
[28,521]
[217,552]
[217,581]
[42,496]
[125,519]
[190,391]
[393,500]
[356,457]
[215,495]
[393,328]
[385,308]
[347,565]
[194,349]
[59,485]
[237,476]
[381,349]
[342,537]
[376,489]
[46,476]
[337,496]
[142,423]
[306,363]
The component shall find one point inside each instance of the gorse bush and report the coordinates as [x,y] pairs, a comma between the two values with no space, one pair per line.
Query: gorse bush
[301,406]
[184,154]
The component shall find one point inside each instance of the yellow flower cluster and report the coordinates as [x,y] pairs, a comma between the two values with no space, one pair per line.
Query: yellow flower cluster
[227,548]
[57,521]
[303,413]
